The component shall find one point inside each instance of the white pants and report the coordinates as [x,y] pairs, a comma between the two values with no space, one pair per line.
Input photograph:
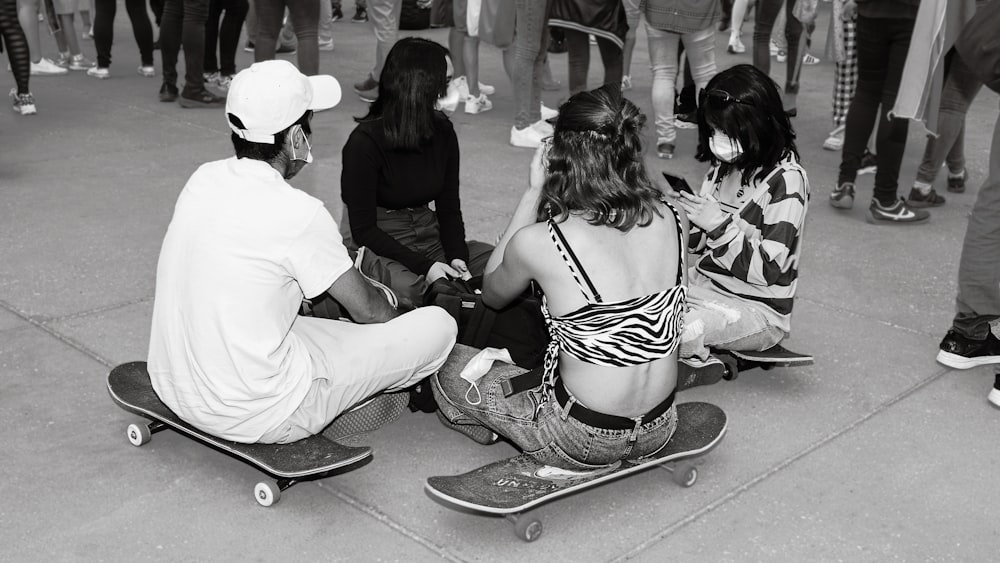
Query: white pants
[352,362]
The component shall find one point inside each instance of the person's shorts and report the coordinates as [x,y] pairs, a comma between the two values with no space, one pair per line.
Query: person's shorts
[459,10]
[64,7]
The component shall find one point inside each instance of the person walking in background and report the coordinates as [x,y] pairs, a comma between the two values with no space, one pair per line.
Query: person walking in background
[104,29]
[16,45]
[884,30]
[602,20]
[385,26]
[531,37]
[666,28]
[220,72]
[70,54]
[465,86]
[27,17]
[304,15]
[184,22]
[767,13]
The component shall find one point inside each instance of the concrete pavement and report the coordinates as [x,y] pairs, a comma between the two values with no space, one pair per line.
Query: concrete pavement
[874,453]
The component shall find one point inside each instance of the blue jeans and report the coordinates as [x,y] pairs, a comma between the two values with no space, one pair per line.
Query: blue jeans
[535,423]
[978,301]
[717,320]
[699,46]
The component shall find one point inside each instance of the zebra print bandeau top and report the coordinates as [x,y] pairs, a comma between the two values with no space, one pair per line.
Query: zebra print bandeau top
[619,333]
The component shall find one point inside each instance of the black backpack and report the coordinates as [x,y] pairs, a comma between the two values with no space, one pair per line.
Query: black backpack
[519,327]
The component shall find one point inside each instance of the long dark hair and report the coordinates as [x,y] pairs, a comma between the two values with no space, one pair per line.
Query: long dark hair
[744,103]
[414,77]
[596,164]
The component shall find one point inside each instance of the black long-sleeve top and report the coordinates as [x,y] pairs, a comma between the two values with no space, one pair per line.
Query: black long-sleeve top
[376,176]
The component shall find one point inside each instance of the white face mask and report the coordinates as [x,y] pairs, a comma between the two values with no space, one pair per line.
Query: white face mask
[309,155]
[724,148]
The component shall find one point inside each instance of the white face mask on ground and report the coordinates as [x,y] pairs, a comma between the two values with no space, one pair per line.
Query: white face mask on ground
[724,148]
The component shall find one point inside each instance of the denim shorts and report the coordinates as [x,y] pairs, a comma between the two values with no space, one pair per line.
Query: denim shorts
[535,422]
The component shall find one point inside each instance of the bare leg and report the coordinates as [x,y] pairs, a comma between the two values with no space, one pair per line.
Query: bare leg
[27,16]
[470,54]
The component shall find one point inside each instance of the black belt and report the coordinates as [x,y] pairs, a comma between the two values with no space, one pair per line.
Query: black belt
[607,421]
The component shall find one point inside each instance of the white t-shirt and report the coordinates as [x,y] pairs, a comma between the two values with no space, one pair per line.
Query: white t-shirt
[241,251]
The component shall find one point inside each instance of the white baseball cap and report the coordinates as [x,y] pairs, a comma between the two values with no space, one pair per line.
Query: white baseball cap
[271,95]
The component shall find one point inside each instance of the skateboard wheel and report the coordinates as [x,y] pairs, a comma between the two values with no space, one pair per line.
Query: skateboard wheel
[138,434]
[686,475]
[266,493]
[528,528]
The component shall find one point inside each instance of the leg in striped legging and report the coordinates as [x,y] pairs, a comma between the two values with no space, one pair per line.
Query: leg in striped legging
[17,52]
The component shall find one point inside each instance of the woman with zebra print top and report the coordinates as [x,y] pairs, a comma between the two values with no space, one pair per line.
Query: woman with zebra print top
[605,247]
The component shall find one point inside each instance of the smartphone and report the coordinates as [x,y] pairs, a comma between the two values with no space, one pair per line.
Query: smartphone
[677,183]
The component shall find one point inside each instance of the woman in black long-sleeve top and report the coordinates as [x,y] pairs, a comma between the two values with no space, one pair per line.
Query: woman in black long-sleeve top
[400,158]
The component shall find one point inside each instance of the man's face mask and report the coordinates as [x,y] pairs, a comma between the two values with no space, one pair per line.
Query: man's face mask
[308,158]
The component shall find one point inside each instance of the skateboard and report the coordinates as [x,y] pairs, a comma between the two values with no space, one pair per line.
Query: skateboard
[288,464]
[512,487]
[775,356]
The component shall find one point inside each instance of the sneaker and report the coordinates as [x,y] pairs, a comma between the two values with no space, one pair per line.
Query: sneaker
[994,395]
[248,47]
[326,45]
[337,15]
[960,352]
[835,140]
[528,138]
[626,83]
[869,163]
[478,433]
[367,89]
[774,48]
[782,56]
[918,198]
[462,86]
[809,59]
[956,183]
[148,71]
[450,101]
[686,120]
[98,72]
[547,113]
[692,372]
[168,92]
[203,99]
[842,197]
[665,149]
[360,16]
[544,127]
[736,46]
[79,62]
[369,415]
[224,81]
[46,67]
[286,50]
[725,25]
[210,77]
[478,105]
[63,59]
[23,104]
[896,213]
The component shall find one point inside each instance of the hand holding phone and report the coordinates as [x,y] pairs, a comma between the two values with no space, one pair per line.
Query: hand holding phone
[677,183]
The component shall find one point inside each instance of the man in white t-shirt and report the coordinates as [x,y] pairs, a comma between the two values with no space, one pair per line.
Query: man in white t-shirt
[228,352]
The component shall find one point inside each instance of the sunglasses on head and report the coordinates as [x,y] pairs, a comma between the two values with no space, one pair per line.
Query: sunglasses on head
[723,97]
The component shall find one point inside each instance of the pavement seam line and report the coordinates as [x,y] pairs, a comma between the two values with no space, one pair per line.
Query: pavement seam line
[384,518]
[732,494]
[79,347]
[94,311]
[860,316]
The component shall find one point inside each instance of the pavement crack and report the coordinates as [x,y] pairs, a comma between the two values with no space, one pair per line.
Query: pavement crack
[753,482]
[72,343]
[857,315]
[384,518]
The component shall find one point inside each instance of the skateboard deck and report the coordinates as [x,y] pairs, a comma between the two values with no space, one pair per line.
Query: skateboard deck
[130,388]
[517,484]
[775,356]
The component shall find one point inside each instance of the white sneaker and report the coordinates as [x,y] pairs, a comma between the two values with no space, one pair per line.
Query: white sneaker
[147,71]
[45,67]
[23,104]
[478,105]
[224,82]
[527,138]
[326,45]
[98,72]
[736,46]
[544,127]
[79,62]
[626,83]
[462,84]
[548,113]
[449,103]
[835,140]
[774,48]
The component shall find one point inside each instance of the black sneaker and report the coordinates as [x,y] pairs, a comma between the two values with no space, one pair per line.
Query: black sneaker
[994,396]
[956,184]
[665,150]
[692,372]
[869,163]
[479,434]
[248,47]
[337,15]
[168,92]
[360,16]
[961,352]
[367,89]
[842,197]
[898,213]
[203,99]
[920,199]
[369,415]
[284,49]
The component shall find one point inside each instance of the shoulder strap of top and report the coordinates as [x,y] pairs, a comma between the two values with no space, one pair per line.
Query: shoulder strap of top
[571,261]
[681,250]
